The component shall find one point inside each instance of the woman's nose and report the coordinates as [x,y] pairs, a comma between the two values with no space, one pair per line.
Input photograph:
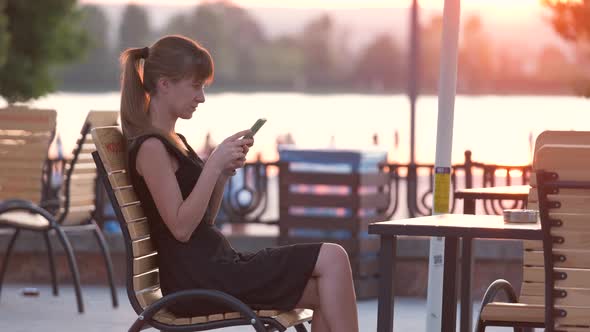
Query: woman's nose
[200,97]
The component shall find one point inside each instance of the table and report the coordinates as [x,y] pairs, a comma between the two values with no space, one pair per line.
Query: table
[517,193]
[452,227]
[469,196]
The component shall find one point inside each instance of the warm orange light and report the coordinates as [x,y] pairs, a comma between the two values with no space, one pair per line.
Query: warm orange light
[564,1]
[342,4]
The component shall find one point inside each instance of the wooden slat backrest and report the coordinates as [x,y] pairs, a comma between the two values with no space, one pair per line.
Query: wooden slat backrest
[25,135]
[535,248]
[570,137]
[569,210]
[111,148]
[82,182]
[330,191]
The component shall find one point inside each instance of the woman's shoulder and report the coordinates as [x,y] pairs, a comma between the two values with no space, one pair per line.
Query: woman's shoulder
[149,147]
[151,142]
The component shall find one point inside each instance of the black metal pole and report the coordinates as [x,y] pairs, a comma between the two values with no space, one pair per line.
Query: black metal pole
[413,79]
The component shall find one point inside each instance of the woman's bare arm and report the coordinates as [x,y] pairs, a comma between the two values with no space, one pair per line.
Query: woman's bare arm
[217,197]
[181,216]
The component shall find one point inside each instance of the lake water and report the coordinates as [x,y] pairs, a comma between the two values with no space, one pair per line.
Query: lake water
[496,128]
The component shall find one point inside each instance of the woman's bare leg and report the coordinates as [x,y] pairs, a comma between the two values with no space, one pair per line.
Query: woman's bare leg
[311,300]
[335,288]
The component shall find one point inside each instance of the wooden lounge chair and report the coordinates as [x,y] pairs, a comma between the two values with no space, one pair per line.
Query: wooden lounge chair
[143,287]
[78,197]
[556,290]
[25,135]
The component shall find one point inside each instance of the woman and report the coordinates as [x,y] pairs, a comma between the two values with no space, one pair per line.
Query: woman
[181,196]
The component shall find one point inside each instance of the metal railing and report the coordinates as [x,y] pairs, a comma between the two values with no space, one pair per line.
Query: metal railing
[248,197]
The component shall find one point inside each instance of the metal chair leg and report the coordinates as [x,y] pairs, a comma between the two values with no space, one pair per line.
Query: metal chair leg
[7,256]
[480,327]
[107,261]
[73,266]
[51,263]
[300,328]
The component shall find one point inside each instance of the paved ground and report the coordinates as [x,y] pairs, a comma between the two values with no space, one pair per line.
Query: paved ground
[47,313]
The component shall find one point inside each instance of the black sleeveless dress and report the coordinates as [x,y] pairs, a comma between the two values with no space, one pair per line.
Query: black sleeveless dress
[272,278]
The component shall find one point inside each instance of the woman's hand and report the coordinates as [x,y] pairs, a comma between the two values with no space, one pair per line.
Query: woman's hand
[239,163]
[231,153]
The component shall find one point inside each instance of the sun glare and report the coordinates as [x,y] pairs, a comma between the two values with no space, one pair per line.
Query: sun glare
[344,4]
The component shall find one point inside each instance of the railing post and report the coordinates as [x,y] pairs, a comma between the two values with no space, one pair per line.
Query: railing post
[468,170]
[412,189]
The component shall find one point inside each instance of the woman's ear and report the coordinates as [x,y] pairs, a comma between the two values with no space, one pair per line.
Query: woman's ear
[163,85]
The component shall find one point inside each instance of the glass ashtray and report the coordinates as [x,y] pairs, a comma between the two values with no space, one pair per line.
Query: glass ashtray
[520,216]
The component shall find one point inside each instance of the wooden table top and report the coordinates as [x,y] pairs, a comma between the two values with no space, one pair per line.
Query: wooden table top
[520,192]
[459,225]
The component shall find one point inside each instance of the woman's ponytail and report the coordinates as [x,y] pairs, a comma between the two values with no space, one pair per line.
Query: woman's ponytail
[134,99]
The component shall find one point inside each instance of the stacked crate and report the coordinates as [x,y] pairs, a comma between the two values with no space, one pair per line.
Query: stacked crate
[332,196]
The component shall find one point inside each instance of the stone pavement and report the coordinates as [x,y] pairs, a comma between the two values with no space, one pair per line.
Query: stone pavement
[48,313]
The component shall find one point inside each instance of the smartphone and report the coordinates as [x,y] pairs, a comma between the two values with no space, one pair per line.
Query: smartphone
[257,125]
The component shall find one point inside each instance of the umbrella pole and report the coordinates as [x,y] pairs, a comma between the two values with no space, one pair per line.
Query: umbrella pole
[444,143]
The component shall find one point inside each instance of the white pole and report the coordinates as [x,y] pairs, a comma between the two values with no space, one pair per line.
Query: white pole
[447,88]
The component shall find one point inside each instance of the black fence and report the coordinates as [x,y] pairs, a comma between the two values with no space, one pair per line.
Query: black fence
[248,198]
[253,195]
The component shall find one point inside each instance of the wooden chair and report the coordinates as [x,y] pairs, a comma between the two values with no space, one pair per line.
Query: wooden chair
[143,287]
[78,198]
[25,135]
[556,288]
[571,137]
[336,206]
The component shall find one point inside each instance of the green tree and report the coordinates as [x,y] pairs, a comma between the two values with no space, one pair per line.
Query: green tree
[430,44]
[281,63]
[380,66]
[230,33]
[42,34]
[134,30]
[553,66]
[317,43]
[571,20]
[4,36]
[476,66]
[177,25]
[98,69]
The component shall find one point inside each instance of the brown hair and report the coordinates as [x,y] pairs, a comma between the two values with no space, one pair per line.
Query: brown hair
[172,57]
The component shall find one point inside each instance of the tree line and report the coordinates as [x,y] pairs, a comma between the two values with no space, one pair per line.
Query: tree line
[44,42]
[318,58]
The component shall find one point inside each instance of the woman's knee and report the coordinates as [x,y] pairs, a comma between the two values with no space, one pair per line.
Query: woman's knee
[332,256]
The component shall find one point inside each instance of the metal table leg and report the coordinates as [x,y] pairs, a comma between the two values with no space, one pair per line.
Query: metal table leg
[449,302]
[466,274]
[386,296]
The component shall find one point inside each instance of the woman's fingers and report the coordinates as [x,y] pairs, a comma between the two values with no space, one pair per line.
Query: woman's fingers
[244,141]
[239,134]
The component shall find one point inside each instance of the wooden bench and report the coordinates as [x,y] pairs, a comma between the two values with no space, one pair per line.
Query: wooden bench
[25,135]
[78,199]
[143,287]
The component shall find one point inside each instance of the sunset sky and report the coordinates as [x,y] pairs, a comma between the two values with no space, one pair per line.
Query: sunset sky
[506,5]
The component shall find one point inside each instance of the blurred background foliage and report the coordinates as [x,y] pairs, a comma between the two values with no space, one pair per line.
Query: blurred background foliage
[44,43]
[35,36]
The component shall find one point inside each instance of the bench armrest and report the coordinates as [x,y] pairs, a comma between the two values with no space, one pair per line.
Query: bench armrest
[198,294]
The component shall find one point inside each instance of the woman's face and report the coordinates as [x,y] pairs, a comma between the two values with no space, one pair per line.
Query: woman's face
[185,96]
